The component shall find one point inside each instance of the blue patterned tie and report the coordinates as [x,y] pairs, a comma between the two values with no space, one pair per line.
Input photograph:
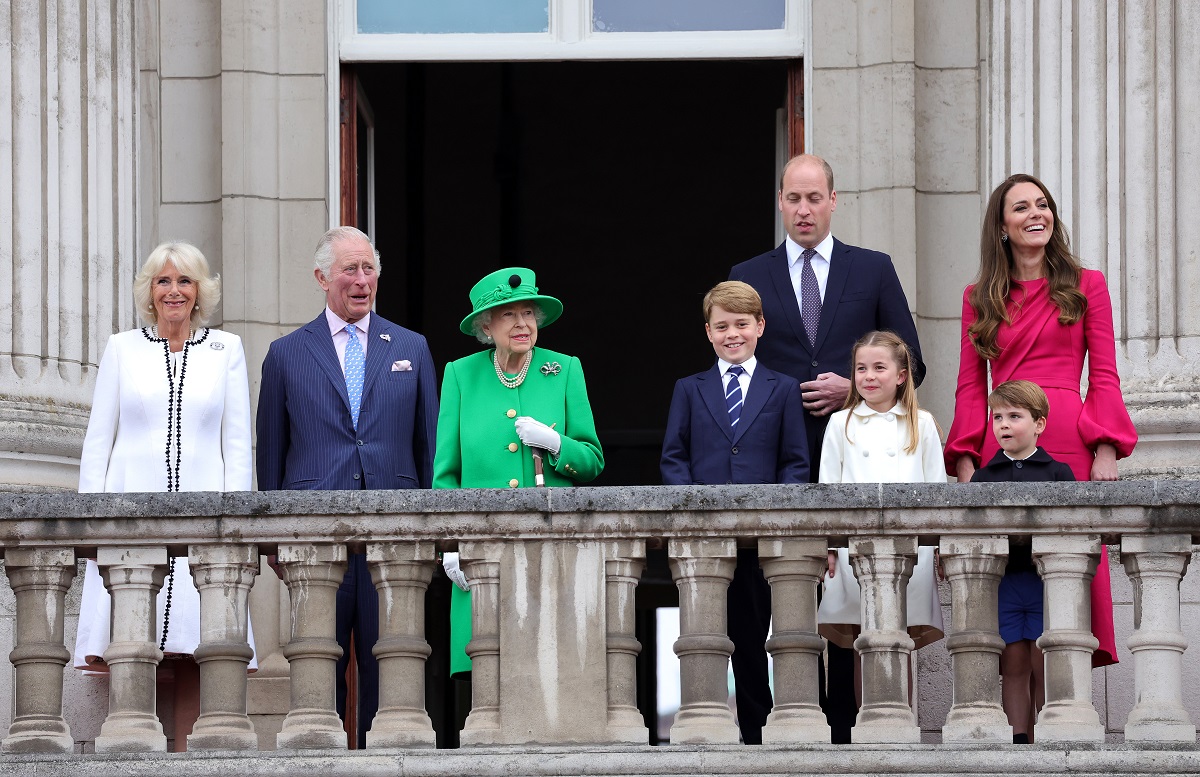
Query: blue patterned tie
[810,297]
[733,395]
[355,371]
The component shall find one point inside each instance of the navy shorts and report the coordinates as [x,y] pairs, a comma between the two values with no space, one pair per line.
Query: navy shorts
[1021,606]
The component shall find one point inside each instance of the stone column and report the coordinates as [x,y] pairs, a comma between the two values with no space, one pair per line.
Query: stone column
[1156,564]
[623,564]
[794,569]
[223,576]
[401,572]
[883,566]
[1067,565]
[67,203]
[481,564]
[703,570]
[133,577]
[39,578]
[974,566]
[312,574]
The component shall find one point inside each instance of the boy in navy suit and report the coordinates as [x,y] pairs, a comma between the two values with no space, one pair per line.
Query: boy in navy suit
[1019,409]
[739,422]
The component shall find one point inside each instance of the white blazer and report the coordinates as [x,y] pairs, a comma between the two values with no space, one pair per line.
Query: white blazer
[874,451]
[126,444]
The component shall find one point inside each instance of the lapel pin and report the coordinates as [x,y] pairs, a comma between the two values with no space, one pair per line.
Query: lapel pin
[217,346]
[551,368]
[385,336]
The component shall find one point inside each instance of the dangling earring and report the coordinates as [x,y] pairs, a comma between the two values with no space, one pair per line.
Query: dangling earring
[1004,238]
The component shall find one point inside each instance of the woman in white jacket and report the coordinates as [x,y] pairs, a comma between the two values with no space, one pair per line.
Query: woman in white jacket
[171,412]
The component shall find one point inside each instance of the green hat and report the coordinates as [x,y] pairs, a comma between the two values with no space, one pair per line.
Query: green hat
[512,284]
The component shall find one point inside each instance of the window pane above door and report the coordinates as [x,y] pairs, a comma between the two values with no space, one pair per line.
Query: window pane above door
[686,15]
[453,16]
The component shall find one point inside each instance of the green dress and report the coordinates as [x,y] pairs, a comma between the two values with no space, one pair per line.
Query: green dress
[478,447]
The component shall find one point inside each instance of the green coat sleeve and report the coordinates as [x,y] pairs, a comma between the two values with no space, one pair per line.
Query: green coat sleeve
[447,461]
[580,457]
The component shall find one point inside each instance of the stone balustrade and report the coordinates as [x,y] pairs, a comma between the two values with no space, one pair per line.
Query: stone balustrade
[553,574]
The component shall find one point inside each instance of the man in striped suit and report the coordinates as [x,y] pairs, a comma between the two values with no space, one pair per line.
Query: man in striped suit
[349,401]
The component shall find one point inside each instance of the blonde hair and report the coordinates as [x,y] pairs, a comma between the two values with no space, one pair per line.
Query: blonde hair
[1023,394]
[906,392]
[188,261]
[734,296]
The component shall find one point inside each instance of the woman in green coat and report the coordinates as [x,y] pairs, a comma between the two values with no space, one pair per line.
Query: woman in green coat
[505,403]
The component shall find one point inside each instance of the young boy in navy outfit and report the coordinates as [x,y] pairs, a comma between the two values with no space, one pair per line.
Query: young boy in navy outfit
[739,422]
[1019,409]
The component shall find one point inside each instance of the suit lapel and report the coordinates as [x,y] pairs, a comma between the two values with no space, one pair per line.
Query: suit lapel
[781,279]
[713,394]
[761,386]
[839,271]
[320,344]
[378,352]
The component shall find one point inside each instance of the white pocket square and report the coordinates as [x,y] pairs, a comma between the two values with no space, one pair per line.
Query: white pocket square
[404,365]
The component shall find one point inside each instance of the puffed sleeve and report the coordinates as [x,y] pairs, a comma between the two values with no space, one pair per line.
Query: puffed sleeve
[447,460]
[1104,418]
[833,449]
[929,448]
[970,399]
[102,423]
[235,421]
[580,456]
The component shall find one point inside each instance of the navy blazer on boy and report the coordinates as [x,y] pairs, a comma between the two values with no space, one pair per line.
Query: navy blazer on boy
[862,293]
[768,447]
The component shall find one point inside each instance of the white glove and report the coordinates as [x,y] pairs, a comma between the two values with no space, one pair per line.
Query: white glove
[450,564]
[536,434]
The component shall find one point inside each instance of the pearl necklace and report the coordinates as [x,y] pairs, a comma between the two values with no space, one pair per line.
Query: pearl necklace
[508,382]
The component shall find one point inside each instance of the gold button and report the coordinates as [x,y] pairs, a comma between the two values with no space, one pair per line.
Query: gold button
[512,413]
[512,446]
[513,483]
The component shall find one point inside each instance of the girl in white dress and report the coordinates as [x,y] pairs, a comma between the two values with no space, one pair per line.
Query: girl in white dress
[880,437]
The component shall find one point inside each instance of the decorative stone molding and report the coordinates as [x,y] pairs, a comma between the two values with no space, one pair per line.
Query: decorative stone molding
[794,569]
[1067,565]
[312,573]
[703,569]
[974,566]
[883,566]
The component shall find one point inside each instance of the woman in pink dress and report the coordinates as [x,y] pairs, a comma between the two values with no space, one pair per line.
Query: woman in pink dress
[1034,314]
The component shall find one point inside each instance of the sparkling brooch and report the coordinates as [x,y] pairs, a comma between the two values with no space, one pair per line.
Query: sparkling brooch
[551,368]
[217,346]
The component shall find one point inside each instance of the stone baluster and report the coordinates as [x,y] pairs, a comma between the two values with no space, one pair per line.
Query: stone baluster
[39,578]
[481,564]
[312,574]
[1156,564]
[133,577]
[703,570]
[1067,565]
[794,568]
[223,575]
[883,566]
[974,566]
[623,563]
[401,572]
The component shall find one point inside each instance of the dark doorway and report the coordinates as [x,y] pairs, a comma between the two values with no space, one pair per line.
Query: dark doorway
[629,187]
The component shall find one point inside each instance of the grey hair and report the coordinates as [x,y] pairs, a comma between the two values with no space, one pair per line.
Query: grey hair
[323,256]
[485,317]
[189,262]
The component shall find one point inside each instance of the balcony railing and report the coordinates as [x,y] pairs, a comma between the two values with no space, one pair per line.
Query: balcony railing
[553,575]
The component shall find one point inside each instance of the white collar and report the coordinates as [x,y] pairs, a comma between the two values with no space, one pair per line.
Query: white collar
[336,324]
[795,251]
[862,409]
[748,365]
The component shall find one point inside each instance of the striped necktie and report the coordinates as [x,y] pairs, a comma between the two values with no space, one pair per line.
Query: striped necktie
[355,371]
[733,395]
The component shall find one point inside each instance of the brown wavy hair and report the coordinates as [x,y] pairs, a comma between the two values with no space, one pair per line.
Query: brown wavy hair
[906,392]
[994,282]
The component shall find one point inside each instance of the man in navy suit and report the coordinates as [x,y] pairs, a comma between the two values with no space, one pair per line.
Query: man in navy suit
[821,295]
[342,414]
[739,422]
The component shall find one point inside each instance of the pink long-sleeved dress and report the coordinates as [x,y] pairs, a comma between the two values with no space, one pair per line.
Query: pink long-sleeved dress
[1037,348]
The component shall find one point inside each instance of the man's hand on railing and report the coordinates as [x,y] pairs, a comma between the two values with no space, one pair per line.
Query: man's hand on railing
[450,564]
